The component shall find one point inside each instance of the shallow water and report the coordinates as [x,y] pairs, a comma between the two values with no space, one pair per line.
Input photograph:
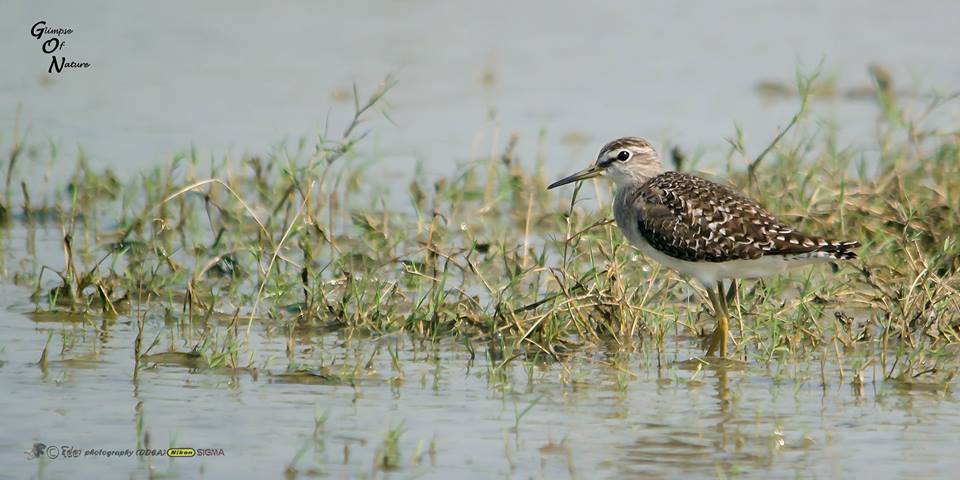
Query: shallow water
[163,81]
[585,418]
[170,76]
[598,413]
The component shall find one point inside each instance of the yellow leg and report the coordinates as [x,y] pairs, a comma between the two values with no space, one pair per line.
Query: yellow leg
[719,337]
[724,320]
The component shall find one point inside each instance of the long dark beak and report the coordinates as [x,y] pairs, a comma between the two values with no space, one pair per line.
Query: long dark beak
[584,174]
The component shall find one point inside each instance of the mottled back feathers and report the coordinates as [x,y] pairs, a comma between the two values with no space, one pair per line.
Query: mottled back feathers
[694,219]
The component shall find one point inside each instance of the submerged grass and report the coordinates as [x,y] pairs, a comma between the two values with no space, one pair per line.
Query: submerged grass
[301,240]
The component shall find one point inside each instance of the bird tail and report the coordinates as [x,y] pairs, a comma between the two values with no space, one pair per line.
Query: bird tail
[838,250]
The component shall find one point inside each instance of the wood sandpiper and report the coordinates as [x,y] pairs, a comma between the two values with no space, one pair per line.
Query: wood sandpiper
[700,228]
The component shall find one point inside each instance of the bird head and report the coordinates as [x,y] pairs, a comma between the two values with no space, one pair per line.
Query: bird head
[625,161]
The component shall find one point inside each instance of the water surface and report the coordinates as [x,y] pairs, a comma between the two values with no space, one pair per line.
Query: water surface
[229,79]
[601,412]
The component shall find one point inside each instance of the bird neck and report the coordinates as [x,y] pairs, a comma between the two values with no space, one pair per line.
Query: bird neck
[624,192]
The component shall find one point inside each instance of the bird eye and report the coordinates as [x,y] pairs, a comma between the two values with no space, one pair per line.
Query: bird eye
[623,155]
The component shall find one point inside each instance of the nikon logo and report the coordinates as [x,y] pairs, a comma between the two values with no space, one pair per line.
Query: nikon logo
[181,452]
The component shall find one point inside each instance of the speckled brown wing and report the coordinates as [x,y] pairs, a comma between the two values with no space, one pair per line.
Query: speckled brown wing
[694,219]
